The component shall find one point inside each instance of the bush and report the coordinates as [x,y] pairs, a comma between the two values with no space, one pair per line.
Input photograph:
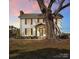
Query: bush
[64,36]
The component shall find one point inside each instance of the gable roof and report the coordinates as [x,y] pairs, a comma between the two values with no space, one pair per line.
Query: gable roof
[35,16]
[31,16]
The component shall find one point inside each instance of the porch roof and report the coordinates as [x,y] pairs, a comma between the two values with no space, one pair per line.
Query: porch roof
[40,24]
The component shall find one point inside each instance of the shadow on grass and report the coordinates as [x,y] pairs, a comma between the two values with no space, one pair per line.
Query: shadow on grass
[46,53]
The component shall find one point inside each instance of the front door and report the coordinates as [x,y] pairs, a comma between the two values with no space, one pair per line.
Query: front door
[40,31]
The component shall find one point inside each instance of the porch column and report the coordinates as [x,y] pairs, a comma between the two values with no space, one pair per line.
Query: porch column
[35,31]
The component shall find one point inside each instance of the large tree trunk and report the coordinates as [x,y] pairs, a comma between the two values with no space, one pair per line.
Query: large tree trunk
[50,30]
[50,34]
[49,19]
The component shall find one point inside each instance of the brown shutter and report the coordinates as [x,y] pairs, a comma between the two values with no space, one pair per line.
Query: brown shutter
[43,20]
[25,21]
[25,31]
[38,20]
[31,22]
[31,31]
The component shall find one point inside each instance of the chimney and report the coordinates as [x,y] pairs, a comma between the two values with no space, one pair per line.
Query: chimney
[21,12]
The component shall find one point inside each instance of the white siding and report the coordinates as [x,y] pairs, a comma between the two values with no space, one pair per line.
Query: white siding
[28,26]
[28,21]
[22,29]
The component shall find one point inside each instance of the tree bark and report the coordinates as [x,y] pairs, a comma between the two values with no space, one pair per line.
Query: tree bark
[49,19]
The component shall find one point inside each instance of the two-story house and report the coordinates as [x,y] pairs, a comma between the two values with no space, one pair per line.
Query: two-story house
[33,24]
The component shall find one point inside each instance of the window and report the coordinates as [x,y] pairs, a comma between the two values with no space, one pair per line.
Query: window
[34,21]
[40,20]
[25,21]
[25,31]
[29,21]
[29,32]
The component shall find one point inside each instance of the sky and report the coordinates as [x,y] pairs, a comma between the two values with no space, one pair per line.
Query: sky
[31,6]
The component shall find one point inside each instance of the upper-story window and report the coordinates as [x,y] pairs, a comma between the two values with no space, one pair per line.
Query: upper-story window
[28,21]
[34,21]
[40,20]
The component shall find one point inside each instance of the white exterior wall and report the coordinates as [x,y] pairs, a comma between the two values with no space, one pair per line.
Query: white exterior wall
[23,26]
[22,29]
[34,23]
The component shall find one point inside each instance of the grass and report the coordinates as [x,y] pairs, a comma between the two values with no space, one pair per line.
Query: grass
[46,53]
[31,47]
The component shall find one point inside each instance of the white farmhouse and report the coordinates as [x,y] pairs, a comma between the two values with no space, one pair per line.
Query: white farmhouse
[33,25]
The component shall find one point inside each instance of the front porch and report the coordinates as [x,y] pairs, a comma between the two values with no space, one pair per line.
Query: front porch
[40,31]
[37,32]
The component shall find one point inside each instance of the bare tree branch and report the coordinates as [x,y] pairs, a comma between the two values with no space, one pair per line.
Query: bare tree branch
[61,3]
[42,5]
[50,4]
[68,4]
